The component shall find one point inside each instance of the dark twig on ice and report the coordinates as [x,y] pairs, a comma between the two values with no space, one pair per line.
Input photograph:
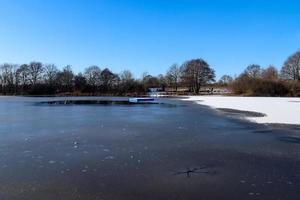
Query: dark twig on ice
[190,171]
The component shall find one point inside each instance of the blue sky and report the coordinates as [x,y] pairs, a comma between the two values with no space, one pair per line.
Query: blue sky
[149,35]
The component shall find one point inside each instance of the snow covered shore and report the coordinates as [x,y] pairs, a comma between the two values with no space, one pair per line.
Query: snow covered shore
[277,110]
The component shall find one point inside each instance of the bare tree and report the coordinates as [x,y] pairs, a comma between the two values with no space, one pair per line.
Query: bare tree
[93,76]
[50,74]
[8,76]
[126,76]
[173,75]
[162,81]
[1,80]
[225,79]
[196,73]
[143,76]
[7,72]
[270,73]
[253,71]
[22,74]
[150,82]
[127,81]
[66,78]
[108,79]
[35,70]
[291,67]
[80,82]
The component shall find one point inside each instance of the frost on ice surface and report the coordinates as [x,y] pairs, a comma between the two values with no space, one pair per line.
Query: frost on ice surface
[51,161]
[109,157]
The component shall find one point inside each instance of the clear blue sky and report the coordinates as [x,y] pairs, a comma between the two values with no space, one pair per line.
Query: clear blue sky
[149,35]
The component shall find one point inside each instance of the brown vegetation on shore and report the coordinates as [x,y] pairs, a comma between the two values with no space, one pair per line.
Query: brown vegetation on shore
[256,81]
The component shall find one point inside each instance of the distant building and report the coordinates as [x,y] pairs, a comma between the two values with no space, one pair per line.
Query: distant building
[155,92]
[154,89]
[215,90]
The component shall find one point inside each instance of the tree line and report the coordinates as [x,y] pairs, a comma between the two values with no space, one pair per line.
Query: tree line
[259,81]
[37,78]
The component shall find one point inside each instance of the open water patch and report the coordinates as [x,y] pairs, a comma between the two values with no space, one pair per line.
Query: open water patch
[100,102]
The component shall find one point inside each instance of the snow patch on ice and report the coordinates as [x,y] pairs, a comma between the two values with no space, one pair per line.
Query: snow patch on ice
[281,110]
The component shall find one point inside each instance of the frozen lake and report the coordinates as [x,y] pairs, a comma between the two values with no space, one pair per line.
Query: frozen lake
[177,150]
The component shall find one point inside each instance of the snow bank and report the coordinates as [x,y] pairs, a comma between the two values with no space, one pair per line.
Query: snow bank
[277,110]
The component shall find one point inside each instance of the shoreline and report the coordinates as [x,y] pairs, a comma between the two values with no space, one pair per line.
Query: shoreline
[275,111]
[242,115]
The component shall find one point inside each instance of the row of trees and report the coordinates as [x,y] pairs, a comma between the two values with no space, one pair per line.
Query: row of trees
[258,81]
[36,78]
[192,75]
